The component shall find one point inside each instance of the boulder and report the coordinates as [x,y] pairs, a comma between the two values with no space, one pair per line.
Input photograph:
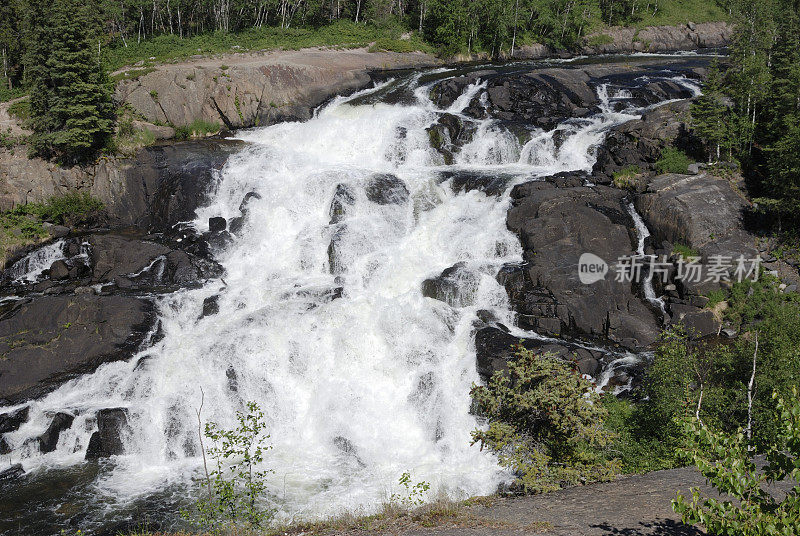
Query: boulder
[698,322]
[690,36]
[9,475]
[467,181]
[456,286]
[386,189]
[210,306]
[495,346]
[217,224]
[10,422]
[343,198]
[59,270]
[46,340]
[107,440]
[49,439]
[556,226]
[701,211]
[639,143]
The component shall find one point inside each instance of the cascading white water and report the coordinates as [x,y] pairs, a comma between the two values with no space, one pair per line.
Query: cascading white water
[30,267]
[356,390]
[647,284]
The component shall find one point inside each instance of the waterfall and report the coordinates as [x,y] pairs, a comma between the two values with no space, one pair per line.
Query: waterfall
[321,319]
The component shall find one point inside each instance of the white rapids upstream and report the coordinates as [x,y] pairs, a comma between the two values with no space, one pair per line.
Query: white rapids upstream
[355,390]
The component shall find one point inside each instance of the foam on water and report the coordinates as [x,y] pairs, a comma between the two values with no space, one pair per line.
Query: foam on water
[355,390]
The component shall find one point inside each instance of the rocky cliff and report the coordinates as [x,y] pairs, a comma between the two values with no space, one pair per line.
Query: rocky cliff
[246,90]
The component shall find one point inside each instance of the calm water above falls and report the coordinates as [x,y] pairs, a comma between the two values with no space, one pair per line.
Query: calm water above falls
[322,321]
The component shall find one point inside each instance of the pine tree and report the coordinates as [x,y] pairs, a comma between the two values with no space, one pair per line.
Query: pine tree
[709,114]
[71,107]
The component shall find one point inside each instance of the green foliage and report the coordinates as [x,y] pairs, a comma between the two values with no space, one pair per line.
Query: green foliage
[197,128]
[626,177]
[545,422]
[21,110]
[716,297]
[684,251]
[72,115]
[726,461]
[673,160]
[233,494]
[711,116]
[599,40]
[413,494]
[70,209]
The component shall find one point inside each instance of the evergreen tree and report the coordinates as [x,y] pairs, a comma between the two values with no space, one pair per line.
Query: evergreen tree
[709,114]
[71,107]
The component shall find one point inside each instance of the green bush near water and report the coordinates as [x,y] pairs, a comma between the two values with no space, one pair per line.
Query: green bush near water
[673,161]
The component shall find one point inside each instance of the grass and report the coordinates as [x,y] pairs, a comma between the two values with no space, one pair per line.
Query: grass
[342,33]
[675,12]
[685,251]
[128,139]
[23,224]
[391,519]
[673,160]
[9,94]
[715,297]
[197,129]
[21,110]
[599,39]
[626,177]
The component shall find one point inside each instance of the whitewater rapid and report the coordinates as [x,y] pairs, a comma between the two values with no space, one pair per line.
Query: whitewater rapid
[355,389]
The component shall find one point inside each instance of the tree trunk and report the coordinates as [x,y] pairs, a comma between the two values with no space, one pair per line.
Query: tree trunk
[750,394]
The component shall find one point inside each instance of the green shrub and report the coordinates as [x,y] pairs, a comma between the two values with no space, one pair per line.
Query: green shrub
[545,423]
[234,489]
[70,209]
[684,251]
[21,110]
[626,177]
[197,128]
[726,461]
[599,40]
[673,160]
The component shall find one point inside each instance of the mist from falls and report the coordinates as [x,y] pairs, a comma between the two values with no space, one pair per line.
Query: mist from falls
[360,377]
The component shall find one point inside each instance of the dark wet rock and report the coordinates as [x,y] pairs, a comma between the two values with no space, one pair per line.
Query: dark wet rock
[210,306]
[495,346]
[233,379]
[217,224]
[344,444]
[10,422]
[114,256]
[467,181]
[701,211]
[334,255]
[639,143]
[556,226]
[456,286]
[165,184]
[5,448]
[448,134]
[47,340]
[49,439]
[386,189]
[343,198]
[698,322]
[107,440]
[135,264]
[59,270]
[9,475]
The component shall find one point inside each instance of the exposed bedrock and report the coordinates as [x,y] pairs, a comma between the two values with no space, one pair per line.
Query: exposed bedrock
[495,346]
[247,90]
[545,98]
[46,340]
[639,143]
[556,226]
